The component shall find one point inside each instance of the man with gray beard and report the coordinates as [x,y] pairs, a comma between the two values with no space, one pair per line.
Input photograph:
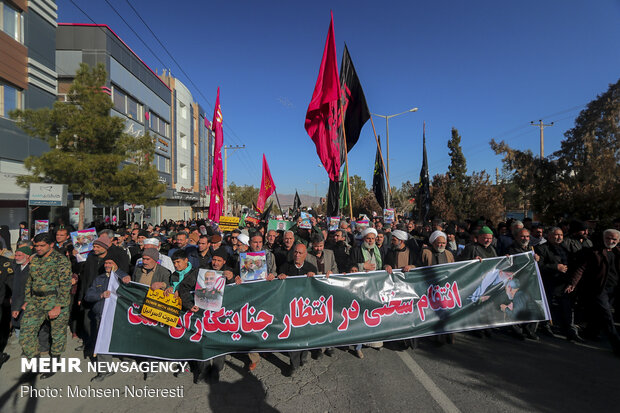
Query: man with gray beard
[598,278]
[520,245]
[437,252]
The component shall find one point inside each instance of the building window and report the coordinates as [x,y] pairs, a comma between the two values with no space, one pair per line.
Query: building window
[159,125]
[134,109]
[183,140]
[183,110]
[119,100]
[127,105]
[184,171]
[10,98]
[11,21]
[163,164]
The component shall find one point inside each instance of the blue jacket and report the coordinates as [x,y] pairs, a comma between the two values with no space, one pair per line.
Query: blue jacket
[99,285]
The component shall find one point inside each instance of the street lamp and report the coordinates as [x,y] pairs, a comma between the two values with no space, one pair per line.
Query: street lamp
[387,132]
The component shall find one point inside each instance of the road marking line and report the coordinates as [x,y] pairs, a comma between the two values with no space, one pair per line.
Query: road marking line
[440,397]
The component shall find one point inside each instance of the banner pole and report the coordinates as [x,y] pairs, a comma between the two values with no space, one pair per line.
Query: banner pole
[346,158]
[277,199]
[387,178]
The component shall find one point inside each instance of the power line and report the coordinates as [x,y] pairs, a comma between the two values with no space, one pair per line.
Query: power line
[246,164]
[226,124]
[134,32]
[477,149]
[173,59]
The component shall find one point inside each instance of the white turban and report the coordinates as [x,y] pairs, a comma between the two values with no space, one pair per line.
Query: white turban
[369,231]
[401,235]
[436,235]
[151,241]
[244,239]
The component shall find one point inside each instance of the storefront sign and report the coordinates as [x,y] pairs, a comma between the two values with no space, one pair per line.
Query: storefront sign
[48,195]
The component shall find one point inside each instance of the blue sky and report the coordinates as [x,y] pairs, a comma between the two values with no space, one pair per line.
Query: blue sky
[487,68]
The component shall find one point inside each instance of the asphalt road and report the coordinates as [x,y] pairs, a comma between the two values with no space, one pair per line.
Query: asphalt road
[498,374]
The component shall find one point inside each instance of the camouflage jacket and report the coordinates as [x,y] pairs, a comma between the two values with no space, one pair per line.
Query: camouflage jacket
[49,284]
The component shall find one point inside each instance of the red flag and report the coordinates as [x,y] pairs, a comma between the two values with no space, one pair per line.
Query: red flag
[322,116]
[267,187]
[216,201]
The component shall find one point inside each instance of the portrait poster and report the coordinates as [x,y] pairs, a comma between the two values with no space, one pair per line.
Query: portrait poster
[41,225]
[305,221]
[362,224]
[209,290]
[279,225]
[388,215]
[253,266]
[334,223]
[83,240]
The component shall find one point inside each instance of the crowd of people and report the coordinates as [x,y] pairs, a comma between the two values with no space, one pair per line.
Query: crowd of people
[46,286]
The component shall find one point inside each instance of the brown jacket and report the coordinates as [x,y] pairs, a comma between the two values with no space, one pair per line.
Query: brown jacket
[428,257]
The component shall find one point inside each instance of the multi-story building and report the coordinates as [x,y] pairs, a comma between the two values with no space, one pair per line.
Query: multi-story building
[185,152]
[140,97]
[205,162]
[28,80]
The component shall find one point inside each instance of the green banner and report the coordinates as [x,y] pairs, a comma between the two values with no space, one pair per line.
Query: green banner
[312,312]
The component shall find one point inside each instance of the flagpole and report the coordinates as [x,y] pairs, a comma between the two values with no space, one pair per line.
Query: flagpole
[387,177]
[346,158]
[277,199]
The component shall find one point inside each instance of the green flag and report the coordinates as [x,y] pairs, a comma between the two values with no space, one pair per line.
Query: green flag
[344,192]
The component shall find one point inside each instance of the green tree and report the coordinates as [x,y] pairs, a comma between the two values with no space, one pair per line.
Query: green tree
[367,205]
[581,179]
[401,197]
[137,182]
[359,190]
[457,171]
[456,187]
[88,150]
[483,198]
[242,195]
[457,196]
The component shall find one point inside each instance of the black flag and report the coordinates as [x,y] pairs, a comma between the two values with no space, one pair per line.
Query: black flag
[424,193]
[356,111]
[265,215]
[378,180]
[333,199]
[296,203]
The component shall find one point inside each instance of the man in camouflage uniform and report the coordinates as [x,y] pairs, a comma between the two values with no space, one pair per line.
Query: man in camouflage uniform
[47,296]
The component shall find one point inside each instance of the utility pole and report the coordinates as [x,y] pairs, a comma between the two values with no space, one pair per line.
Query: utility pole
[542,126]
[226,148]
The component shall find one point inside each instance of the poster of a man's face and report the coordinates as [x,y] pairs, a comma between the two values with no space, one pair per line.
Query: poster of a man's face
[83,239]
[209,290]
[210,279]
[254,266]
